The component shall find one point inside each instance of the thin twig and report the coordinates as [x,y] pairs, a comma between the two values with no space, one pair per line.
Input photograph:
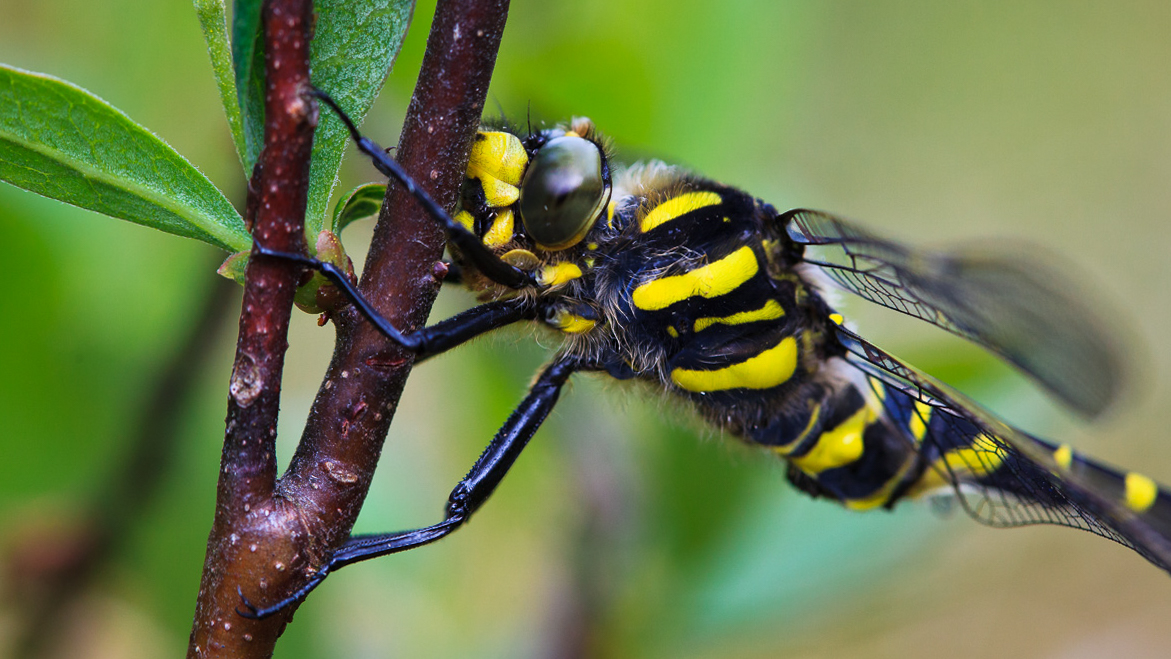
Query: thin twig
[247,518]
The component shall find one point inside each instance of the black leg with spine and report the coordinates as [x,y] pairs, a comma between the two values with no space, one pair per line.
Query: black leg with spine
[467,497]
[430,340]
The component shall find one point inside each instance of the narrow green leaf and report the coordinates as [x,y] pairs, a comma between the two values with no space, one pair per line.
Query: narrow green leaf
[358,204]
[354,47]
[60,141]
[214,21]
[248,63]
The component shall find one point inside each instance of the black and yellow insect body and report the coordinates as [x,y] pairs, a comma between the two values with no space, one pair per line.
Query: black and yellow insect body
[653,274]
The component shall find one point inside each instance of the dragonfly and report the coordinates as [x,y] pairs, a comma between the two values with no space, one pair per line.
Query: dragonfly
[652,273]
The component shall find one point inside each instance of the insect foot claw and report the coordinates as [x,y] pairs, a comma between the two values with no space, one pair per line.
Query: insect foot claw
[250,612]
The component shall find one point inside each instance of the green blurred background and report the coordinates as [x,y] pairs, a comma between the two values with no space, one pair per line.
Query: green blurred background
[1044,123]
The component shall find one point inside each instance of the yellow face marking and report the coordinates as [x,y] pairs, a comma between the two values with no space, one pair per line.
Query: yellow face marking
[814,415]
[1063,456]
[767,369]
[465,218]
[672,331]
[497,193]
[1141,492]
[610,214]
[837,447]
[571,323]
[837,318]
[676,206]
[498,160]
[500,233]
[920,418]
[769,311]
[711,280]
[499,155]
[559,273]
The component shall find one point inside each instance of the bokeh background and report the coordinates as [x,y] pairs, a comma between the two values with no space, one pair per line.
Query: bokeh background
[626,530]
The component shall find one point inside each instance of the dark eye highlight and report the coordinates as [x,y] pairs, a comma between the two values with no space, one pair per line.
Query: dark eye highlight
[563,192]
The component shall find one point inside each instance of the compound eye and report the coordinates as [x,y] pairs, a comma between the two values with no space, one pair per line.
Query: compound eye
[563,192]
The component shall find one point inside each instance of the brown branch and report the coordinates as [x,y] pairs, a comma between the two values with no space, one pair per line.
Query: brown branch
[335,461]
[269,545]
[247,518]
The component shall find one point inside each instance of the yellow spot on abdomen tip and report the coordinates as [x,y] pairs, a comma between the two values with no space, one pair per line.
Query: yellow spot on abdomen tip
[767,369]
[712,280]
[1063,456]
[1141,492]
[677,206]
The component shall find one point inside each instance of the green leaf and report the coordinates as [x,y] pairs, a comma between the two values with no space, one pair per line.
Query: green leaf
[214,21]
[248,63]
[60,141]
[353,49]
[358,204]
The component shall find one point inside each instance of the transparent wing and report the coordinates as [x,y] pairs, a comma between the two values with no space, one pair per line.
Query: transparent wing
[1023,312]
[1005,477]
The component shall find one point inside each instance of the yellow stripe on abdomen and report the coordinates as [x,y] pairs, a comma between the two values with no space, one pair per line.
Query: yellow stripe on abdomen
[767,369]
[837,447]
[920,419]
[712,280]
[814,414]
[770,311]
[980,459]
[677,206]
[882,495]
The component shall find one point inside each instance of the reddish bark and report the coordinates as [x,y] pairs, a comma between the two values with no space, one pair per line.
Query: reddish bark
[248,527]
